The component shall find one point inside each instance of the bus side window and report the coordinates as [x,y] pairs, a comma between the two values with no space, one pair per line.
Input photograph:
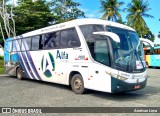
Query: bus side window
[51,40]
[158,51]
[19,44]
[8,46]
[36,43]
[26,44]
[101,52]
[88,30]
[155,52]
[16,45]
[148,52]
[69,38]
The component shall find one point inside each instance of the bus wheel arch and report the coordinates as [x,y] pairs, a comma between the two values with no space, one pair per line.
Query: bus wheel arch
[76,82]
[19,73]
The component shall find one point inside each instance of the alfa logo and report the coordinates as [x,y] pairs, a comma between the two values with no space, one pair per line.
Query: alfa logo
[48,65]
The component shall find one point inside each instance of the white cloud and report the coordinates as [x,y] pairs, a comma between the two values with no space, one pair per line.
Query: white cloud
[91,13]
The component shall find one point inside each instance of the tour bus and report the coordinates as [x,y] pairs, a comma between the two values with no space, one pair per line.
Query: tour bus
[84,53]
[152,58]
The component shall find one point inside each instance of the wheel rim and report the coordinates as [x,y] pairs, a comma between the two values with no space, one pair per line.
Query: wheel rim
[77,84]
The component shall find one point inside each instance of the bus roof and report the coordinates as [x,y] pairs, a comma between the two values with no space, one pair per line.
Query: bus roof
[73,23]
[104,22]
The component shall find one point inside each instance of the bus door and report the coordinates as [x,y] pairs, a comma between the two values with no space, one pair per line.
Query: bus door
[98,70]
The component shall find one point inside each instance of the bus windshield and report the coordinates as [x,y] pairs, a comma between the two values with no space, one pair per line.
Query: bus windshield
[129,53]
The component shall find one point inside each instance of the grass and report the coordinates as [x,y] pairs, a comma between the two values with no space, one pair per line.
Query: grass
[1,65]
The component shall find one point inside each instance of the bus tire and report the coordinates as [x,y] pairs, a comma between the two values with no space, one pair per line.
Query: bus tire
[19,73]
[77,84]
[147,65]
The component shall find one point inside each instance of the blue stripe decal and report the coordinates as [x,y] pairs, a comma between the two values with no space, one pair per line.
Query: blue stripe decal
[27,65]
[17,47]
[27,62]
[22,61]
[33,66]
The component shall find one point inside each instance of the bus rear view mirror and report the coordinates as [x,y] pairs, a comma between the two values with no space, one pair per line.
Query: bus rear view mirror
[149,42]
[114,36]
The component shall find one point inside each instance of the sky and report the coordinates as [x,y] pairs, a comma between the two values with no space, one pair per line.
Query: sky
[92,7]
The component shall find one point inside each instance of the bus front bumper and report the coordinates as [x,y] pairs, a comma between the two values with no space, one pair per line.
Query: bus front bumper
[122,86]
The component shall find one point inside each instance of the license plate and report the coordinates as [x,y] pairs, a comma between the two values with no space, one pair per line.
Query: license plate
[137,86]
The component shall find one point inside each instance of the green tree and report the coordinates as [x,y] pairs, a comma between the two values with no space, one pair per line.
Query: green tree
[32,15]
[111,9]
[120,21]
[138,9]
[66,10]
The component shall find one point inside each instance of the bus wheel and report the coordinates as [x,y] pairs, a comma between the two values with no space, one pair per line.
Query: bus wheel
[19,73]
[147,65]
[77,84]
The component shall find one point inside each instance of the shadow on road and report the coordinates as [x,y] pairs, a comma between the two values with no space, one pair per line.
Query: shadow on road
[139,94]
[151,67]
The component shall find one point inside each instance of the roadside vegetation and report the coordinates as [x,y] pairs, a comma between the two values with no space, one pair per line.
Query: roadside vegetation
[1,65]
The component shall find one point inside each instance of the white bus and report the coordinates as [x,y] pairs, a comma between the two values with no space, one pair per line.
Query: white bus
[84,53]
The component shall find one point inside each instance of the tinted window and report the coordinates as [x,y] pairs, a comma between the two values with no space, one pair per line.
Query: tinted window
[156,51]
[69,38]
[26,44]
[147,52]
[51,40]
[8,46]
[88,30]
[37,43]
[15,46]
[19,44]
[101,52]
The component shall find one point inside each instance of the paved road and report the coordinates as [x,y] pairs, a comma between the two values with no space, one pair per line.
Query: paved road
[30,93]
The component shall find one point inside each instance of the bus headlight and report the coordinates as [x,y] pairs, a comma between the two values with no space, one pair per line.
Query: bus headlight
[117,76]
[122,78]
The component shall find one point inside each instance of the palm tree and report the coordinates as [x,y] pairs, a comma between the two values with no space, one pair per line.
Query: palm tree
[138,9]
[111,9]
